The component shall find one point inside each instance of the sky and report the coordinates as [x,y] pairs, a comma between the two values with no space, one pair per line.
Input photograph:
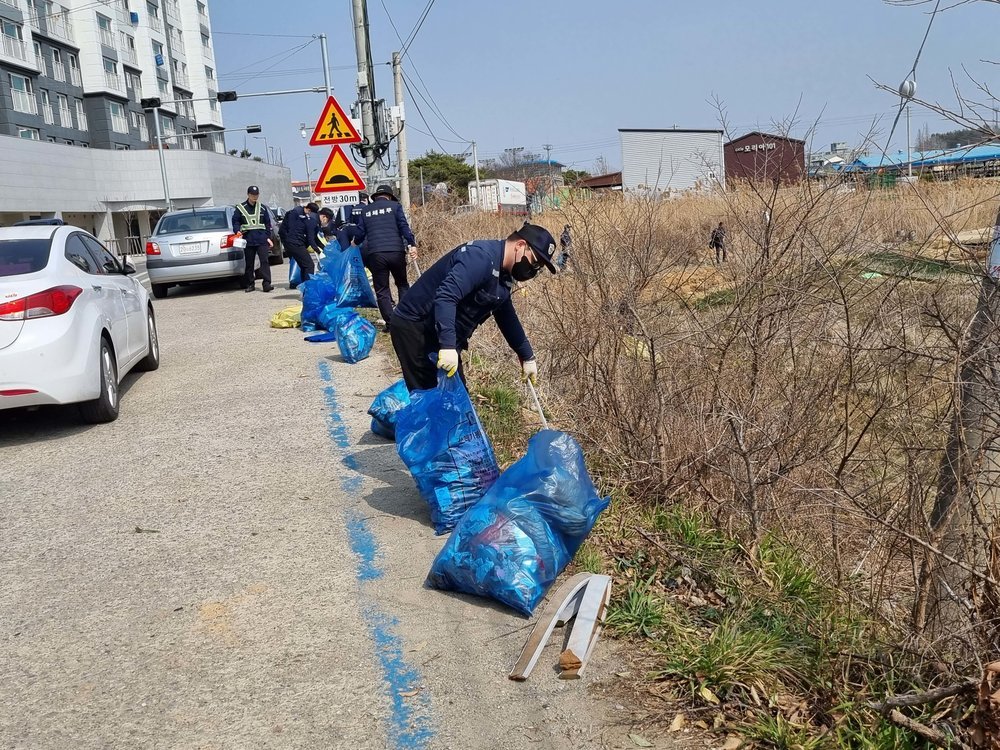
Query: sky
[570,73]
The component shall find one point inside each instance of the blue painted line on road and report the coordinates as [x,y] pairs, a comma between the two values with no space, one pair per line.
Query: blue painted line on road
[410,725]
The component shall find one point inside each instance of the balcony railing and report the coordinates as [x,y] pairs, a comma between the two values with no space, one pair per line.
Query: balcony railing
[173,10]
[24,102]
[113,81]
[60,26]
[58,71]
[81,120]
[107,38]
[130,56]
[10,4]
[47,114]
[40,63]
[119,124]
[155,23]
[143,132]
[182,80]
[65,118]
[13,47]
[74,77]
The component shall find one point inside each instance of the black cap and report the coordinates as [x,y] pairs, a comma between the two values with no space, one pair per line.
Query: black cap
[539,239]
[363,196]
[386,191]
[253,190]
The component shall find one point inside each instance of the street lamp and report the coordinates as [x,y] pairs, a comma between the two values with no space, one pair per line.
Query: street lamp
[906,90]
[263,138]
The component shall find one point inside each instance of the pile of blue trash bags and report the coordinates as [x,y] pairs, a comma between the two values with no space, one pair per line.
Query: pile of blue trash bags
[329,299]
[512,533]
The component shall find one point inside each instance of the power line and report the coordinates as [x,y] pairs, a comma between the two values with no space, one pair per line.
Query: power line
[257,62]
[416,29]
[266,36]
[248,76]
[423,119]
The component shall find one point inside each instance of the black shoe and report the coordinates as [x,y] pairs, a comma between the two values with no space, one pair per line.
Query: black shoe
[268,287]
[250,289]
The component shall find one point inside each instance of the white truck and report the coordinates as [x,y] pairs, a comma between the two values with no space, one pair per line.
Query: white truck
[499,196]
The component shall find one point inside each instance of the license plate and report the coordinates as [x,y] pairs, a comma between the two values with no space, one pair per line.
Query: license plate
[189,248]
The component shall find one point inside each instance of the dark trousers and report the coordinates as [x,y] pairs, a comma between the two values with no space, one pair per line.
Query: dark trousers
[720,251]
[382,265]
[250,254]
[415,343]
[301,255]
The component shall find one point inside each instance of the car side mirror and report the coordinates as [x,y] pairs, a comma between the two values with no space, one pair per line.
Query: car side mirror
[127,268]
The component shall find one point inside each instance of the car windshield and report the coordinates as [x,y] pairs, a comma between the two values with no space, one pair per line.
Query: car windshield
[23,256]
[197,221]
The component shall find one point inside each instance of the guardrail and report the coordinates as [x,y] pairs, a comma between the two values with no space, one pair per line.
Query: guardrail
[131,245]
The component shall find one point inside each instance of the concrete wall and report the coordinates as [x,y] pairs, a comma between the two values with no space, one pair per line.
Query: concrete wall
[44,177]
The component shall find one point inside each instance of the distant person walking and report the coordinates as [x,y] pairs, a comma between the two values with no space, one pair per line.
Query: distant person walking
[565,245]
[718,242]
[252,219]
[387,239]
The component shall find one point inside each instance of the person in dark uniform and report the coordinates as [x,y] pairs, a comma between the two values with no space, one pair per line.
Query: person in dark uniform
[347,227]
[457,294]
[298,234]
[383,228]
[326,232]
[717,241]
[253,220]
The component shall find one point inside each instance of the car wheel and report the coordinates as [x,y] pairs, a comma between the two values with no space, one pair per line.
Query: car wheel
[152,359]
[104,408]
[160,290]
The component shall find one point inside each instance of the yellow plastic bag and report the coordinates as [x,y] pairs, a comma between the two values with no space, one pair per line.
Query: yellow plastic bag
[290,317]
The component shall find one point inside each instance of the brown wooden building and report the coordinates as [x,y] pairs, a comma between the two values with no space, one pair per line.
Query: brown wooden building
[763,157]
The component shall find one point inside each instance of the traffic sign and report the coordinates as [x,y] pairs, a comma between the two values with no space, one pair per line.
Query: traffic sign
[334,127]
[336,200]
[339,175]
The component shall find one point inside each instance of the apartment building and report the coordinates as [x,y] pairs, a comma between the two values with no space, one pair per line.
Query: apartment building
[74,73]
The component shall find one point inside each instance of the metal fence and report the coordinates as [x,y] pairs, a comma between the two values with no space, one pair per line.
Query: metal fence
[131,245]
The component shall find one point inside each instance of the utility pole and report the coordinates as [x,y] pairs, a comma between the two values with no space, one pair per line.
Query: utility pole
[366,93]
[404,167]
[163,163]
[423,193]
[326,64]
[479,190]
[548,161]
[308,176]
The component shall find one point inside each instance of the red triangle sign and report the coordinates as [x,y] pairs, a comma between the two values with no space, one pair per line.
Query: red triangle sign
[334,126]
[339,174]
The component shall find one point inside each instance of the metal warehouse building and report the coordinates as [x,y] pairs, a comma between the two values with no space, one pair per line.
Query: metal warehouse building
[762,157]
[671,160]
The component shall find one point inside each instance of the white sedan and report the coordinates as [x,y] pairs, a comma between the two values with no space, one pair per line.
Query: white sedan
[73,321]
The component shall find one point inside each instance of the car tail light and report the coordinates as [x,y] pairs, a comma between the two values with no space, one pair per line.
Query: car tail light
[54,301]
[226,241]
[152,248]
[18,392]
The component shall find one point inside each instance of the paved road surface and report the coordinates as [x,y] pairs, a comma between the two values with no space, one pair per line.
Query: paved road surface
[238,563]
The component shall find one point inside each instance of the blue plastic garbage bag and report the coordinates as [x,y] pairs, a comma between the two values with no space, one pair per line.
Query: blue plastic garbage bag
[347,271]
[294,273]
[330,314]
[355,337]
[386,407]
[441,441]
[321,338]
[515,541]
[317,293]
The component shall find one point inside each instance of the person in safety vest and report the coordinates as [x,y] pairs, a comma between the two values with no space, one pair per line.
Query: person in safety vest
[347,223]
[457,294]
[253,220]
[298,232]
[387,239]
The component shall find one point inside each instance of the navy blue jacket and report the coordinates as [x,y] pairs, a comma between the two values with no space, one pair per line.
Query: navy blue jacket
[254,237]
[383,228]
[460,291]
[298,229]
[347,225]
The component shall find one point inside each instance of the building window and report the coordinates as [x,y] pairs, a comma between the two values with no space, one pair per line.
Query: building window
[81,116]
[128,48]
[121,147]
[209,73]
[118,122]
[111,75]
[201,8]
[58,69]
[74,71]
[162,86]
[104,31]
[47,107]
[154,17]
[30,134]
[204,42]
[64,117]
[22,94]
[39,59]
[213,105]
[51,139]
[13,41]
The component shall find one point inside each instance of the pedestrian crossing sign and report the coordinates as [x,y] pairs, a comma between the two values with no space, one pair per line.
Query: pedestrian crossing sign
[334,126]
[339,175]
